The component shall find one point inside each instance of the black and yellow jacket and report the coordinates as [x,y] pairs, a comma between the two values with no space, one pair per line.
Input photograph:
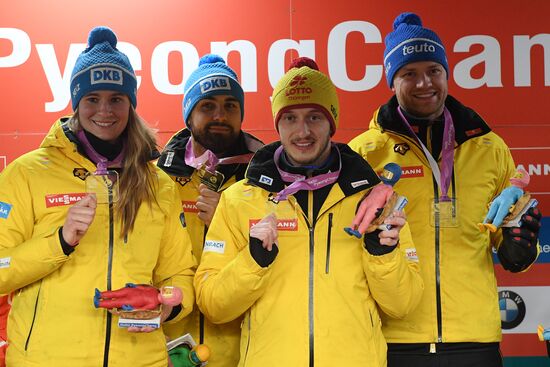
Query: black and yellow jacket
[318,302]
[460,300]
[223,340]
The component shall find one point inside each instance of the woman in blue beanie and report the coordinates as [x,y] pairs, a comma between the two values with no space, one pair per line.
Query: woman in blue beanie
[60,238]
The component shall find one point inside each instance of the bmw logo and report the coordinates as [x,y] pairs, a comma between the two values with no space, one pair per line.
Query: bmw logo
[512,309]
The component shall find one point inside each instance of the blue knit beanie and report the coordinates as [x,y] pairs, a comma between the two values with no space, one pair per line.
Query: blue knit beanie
[101,66]
[410,42]
[212,77]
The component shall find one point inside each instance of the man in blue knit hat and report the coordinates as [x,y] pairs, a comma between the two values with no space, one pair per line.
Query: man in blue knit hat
[205,158]
[453,165]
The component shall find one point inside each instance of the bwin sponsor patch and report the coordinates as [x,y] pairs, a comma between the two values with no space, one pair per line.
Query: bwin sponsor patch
[5,209]
[214,246]
[215,83]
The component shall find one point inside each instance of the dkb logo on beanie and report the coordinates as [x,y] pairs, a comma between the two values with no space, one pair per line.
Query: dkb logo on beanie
[101,66]
[212,77]
[410,42]
[106,75]
[215,83]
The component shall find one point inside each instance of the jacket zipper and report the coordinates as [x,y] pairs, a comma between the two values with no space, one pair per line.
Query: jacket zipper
[109,279]
[437,270]
[201,316]
[311,227]
[328,242]
[33,317]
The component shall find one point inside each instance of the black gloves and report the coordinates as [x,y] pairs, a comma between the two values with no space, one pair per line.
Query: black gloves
[518,249]
[373,246]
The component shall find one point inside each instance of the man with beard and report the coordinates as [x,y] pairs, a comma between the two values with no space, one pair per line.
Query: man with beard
[205,158]
[276,250]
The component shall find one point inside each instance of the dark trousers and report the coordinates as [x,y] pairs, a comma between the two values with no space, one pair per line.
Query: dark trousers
[446,355]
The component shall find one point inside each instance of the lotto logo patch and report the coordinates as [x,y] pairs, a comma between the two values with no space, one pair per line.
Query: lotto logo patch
[63,199]
[412,171]
[106,75]
[189,206]
[215,83]
[5,209]
[214,246]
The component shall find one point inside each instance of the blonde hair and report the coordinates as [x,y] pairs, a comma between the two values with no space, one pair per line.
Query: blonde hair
[137,182]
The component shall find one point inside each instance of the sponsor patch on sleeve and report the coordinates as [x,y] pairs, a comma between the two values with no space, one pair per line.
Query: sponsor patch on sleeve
[214,246]
[5,209]
[5,262]
[411,254]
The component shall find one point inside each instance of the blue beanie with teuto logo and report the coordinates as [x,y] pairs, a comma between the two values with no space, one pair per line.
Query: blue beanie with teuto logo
[410,42]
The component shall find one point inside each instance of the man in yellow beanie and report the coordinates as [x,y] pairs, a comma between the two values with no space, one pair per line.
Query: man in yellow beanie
[276,251]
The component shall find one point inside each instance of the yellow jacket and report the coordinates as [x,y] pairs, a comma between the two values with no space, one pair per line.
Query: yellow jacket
[460,301]
[222,339]
[318,302]
[53,321]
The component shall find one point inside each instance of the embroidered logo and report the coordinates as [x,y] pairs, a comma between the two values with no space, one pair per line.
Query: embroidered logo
[81,173]
[63,199]
[359,183]
[266,180]
[412,171]
[106,75]
[282,224]
[183,180]
[5,210]
[411,254]
[189,206]
[401,148]
[168,160]
[214,246]
[215,83]
[5,262]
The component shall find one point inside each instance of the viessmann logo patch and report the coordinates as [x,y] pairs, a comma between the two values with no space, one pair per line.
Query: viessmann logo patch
[63,199]
[412,171]
[190,206]
[282,224]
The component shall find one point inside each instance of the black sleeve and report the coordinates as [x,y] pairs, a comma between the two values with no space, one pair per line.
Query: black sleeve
[373,246]
[67,249]
[262,256]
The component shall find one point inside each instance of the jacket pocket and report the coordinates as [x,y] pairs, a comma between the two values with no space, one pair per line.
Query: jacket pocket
[34,313]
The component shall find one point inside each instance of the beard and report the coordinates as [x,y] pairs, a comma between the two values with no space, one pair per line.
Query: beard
[217,143]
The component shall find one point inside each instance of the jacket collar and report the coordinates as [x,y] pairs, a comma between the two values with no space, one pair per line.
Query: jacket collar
[468,124]
[355,175]
[175,149]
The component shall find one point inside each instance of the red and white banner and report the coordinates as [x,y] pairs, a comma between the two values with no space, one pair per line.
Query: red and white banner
[498,51]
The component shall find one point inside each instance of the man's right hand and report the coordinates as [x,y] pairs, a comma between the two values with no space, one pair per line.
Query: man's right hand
[266,231]
[79,218]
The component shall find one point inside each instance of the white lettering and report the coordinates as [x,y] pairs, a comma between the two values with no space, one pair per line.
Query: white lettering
[522,58]
[160,67]
[489,57]
[249,67]
[276,57]
[21,47]
[336,51]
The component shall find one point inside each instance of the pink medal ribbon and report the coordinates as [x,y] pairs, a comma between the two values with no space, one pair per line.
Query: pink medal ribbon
[300,182]
[209,159]
[101,162]
[442,176]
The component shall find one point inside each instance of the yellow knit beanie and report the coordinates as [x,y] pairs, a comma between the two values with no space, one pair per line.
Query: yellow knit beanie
[305,86]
